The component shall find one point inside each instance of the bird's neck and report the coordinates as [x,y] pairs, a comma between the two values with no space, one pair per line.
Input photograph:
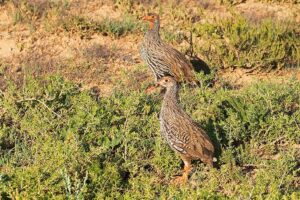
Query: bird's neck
[154,28]
[171,95]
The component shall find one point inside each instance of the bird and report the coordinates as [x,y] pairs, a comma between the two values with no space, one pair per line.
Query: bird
[182,134]
[163,59]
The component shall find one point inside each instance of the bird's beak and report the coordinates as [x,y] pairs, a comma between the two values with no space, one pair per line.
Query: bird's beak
[145,18]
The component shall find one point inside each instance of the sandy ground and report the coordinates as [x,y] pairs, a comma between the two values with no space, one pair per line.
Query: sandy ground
[100,61]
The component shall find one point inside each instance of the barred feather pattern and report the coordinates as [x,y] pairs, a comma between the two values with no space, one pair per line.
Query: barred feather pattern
[180,131]
[164,60]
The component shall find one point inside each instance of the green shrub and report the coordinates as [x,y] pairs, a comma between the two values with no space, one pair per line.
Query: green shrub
[239,43]
[59,141]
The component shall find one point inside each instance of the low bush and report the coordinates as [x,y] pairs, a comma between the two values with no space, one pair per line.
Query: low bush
[240,43]
[60,141]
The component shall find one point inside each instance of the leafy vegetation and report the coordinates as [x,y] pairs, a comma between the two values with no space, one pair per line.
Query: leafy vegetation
[59,141]
[239,43]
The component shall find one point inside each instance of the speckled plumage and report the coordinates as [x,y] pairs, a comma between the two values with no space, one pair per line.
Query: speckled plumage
[180,131]
[163,59]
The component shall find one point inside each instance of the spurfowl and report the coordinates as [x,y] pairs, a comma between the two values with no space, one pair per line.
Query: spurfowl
[163,59]
[181,132]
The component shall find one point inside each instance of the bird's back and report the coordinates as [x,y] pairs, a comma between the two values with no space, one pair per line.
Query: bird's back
[164,60]
[179,65]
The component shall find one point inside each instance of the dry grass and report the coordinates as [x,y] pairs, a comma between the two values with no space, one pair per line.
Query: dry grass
[70,37]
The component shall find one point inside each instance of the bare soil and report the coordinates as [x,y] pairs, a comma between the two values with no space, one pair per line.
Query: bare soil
[102,61]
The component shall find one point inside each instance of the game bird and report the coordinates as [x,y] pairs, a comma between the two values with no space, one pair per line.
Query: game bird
[161,58]
[181,132]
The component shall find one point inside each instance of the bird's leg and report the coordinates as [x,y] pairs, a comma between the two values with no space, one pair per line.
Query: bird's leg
[186,171]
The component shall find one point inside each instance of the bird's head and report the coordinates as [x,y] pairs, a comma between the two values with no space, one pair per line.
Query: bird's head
[167,81]
[152,18]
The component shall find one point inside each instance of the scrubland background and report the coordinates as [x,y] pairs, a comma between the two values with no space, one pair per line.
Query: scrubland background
[75,122]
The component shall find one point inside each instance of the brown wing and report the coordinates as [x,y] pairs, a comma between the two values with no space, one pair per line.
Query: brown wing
[180,66]
[201,145]
[193,141]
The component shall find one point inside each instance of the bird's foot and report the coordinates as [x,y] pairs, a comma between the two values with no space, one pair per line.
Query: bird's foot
[183,179]
[180,180]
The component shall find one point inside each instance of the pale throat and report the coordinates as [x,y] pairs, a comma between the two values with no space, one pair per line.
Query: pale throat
[171,94]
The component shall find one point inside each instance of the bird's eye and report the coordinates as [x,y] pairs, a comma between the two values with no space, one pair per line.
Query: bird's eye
[166,80]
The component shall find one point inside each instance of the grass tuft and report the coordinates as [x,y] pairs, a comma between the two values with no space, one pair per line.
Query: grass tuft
[106,27]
